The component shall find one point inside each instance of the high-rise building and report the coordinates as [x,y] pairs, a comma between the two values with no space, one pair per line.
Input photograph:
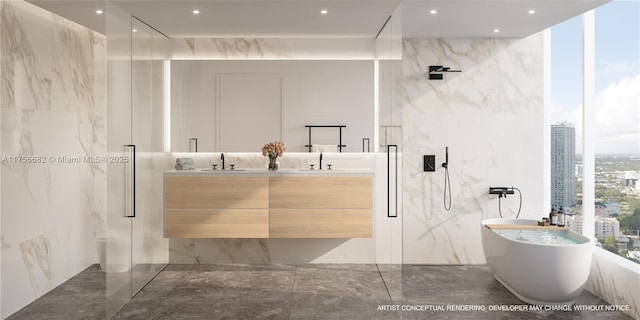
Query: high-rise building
[563,159]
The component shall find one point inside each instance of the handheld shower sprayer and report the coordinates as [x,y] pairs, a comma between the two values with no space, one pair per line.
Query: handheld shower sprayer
[447,181]
[445,164]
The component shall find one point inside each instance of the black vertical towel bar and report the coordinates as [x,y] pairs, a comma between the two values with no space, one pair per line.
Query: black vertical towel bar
[368,144]
[196,141]
[395,215]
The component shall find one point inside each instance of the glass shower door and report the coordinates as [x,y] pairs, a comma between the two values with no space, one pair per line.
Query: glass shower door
[148,248]
[119,175]
[136,250]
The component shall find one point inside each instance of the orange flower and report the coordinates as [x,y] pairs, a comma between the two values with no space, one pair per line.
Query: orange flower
[273,149]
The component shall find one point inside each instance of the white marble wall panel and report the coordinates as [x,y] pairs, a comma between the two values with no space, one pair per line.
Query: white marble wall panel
[272,49]
[616,280]
[490,117]
[51,105]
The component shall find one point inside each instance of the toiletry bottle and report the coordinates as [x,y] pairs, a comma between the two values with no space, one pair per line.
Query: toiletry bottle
[561,217]
[553,217]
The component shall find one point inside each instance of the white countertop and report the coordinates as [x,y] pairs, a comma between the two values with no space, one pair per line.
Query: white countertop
[269,173]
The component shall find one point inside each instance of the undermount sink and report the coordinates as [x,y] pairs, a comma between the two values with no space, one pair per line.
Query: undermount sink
[220,170]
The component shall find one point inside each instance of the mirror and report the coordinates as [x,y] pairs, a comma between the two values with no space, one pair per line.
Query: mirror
[239,105]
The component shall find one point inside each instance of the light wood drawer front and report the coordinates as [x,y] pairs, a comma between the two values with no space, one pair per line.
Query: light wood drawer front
[216,192]
[321,192]
[320,223]
[217,223]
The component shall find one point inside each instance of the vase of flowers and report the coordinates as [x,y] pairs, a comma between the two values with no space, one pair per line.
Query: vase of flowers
[273,150]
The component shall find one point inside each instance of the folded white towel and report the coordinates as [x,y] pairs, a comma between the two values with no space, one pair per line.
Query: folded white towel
[183,161]
[183,167]
[184,164]
[324,148]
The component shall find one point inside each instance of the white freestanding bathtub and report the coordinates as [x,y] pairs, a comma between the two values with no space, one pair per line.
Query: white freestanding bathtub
[537,272]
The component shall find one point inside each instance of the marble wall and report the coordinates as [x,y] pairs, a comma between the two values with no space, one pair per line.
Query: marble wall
[378,249]
[272,49]
[52,111]
[491,117]
[615,279]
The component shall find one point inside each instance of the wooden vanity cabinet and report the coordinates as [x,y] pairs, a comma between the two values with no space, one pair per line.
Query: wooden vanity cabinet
[320,207]
[268,206]
[216,207]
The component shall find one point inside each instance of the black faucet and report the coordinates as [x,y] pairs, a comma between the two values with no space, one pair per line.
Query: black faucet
[320,161]
[222,158]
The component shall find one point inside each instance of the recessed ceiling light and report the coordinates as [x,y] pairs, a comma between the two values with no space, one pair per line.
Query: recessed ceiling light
[496,30]
[324,11]
[532,11]
[433,11]
[135,30]
[99,11]
[196,11]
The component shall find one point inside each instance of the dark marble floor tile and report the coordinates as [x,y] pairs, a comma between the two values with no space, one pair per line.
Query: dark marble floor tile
[215,292]
[81,297]
[329,306]
[339,292]
[392,276]
[475,285]
[229,267]
[361,281]
[316,291]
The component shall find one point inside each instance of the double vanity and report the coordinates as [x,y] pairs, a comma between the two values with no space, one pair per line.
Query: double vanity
[258,203]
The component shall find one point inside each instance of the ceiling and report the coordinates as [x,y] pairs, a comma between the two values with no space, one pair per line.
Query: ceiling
[344,19]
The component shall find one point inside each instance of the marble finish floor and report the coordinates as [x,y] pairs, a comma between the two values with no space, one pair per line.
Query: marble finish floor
[322,291]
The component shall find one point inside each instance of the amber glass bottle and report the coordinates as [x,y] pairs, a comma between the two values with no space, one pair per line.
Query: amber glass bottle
[561,218]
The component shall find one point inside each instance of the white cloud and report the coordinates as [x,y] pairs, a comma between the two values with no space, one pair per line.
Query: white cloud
[618,117]
[618,69]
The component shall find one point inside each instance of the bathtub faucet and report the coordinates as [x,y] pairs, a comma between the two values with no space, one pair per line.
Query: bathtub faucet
[501,191]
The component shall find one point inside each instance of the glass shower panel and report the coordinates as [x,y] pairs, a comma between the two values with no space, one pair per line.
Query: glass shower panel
[149,248]
[389,163]
[119,191]
[142,270]
[136,250]
[159,142]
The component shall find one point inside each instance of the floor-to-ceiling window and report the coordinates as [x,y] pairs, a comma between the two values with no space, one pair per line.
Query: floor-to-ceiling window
[617,127]
[613,134]
[566,117]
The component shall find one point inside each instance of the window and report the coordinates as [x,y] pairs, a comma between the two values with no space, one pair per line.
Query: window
[616,131]
[617,126]
[566,119]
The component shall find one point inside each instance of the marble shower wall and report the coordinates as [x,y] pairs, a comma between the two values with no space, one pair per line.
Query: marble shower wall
[491,117]
[52,111]
[272,48]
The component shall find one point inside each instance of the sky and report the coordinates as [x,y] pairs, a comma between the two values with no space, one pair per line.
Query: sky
[617,76]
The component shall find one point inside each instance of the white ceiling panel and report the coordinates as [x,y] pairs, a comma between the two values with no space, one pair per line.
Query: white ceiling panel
[344,19]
